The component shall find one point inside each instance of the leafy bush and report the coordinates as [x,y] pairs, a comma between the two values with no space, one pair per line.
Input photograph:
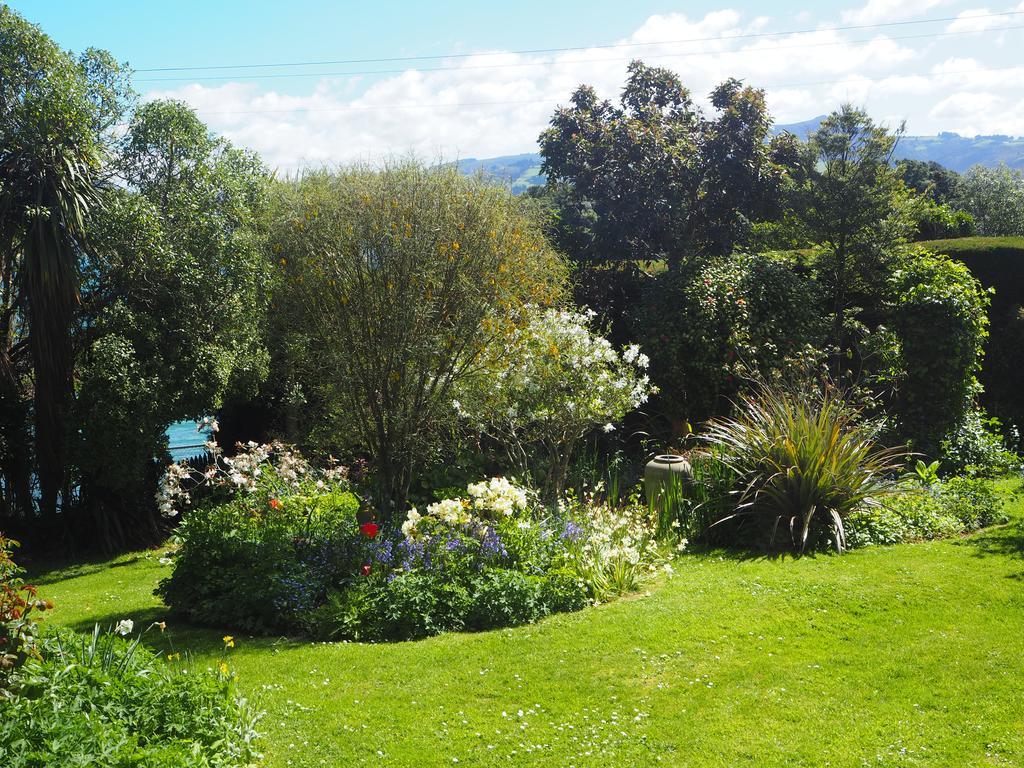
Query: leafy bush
[107,701]
[975,446]
[933,220]
[18,603]
[423,262]
[909,516]
[284,552]
[943,508]
[504,598]
[939,318]
[998,264]
[566,381]
[266,557]
[802,457]
[709,326]
[972,502]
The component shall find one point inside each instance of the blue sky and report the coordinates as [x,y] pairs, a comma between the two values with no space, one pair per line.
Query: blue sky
[961,74]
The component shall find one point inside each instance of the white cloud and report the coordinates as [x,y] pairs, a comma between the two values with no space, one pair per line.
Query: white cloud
[880,11]
[497,103]
[982,20]
[971,113]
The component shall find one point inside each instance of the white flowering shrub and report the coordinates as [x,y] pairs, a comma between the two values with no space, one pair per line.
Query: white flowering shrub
[487,501]
[548,383]
[272,469]
[615,548]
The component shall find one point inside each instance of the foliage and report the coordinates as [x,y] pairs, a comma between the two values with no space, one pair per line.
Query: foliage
[18,603]
[656,179]
[396,281]
[998,264]
[171,334]
[277,546]
[50,160]
[134,283]
[995,198]
[736,317]
[104,700]
[849,201]
[929,179]
[705,497]
[264,557]
[615,548]
[933,221]
[940,509]
[565,381]
[939,318]
[803,457]
[976,446]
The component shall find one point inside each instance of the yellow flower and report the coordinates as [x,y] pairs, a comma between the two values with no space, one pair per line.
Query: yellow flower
[173,656]
[223,668]
[229,641]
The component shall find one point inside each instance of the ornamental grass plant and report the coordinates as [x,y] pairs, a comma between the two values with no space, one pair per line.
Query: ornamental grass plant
[805,460]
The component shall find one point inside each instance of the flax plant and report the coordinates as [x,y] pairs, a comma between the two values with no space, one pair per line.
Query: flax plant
[801,455]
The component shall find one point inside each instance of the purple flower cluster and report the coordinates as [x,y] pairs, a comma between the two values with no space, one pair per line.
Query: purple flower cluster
[491,545]
[571,532]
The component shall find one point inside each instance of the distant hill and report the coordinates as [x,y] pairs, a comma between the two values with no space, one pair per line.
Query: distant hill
[521,171]
[949,149]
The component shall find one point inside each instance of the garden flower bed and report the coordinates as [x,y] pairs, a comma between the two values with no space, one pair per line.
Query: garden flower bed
[277,546]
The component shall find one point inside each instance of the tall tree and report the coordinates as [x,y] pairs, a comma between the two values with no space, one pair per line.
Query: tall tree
[398,280]
[173,301]
[50,156]
[849,200]
[995,198]
[653,178]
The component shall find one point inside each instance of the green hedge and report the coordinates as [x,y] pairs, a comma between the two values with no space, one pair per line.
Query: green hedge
[998,263]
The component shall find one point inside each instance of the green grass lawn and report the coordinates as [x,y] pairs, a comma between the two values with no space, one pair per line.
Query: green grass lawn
[903,656]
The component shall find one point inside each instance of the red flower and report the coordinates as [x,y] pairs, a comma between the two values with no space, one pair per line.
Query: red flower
[369,530]
[276,504]
[366,569]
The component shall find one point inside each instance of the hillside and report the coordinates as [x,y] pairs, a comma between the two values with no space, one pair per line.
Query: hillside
[949,149]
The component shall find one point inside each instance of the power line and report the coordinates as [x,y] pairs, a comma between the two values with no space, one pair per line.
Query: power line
[459,105]
[536,51]
[691,54]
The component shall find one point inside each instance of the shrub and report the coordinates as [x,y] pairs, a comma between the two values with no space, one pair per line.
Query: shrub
[18,603]
[108,701]
[944,508]
[802,456]
[563,591]
[908,516]
[972,502]
[940,322]
[933,220]
[425,263]
[401,606]
[709,326]
[298,562]
[504,598]
[266,557]
[998,264]
[566,381]
[975,446]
